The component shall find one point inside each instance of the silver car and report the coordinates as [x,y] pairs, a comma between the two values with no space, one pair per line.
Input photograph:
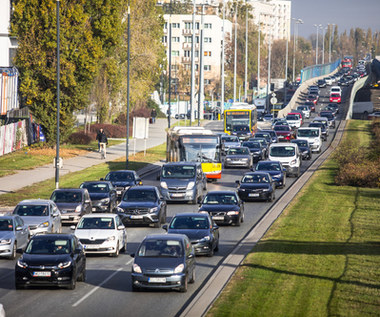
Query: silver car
[14,234]
[41,216]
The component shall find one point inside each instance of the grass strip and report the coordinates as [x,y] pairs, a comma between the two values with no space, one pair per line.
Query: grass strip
[320,258]
[44,189]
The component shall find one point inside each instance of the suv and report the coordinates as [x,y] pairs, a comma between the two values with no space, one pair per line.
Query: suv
[73,203]
[289,156]
[182,181]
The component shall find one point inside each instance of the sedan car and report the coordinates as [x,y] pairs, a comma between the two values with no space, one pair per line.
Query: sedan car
[238,157]
[51,260]
[14,234]
[102,233]
[165,261]
[199,228]
[256,186]
[312,98]
[102,194]
[230,141]
[41,216]
[256,149]
[242,132]
[284,133]
[304,147]
[122,180]
[275,170]
[142,205]
[224,207]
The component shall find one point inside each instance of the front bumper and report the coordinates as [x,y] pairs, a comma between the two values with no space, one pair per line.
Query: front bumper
[98,206]
[106,247]
[151,281]
[6,249]
[202,247]
[225,219]
[129,219]
[254,195]
[58,277]
[183,195]
[239,163]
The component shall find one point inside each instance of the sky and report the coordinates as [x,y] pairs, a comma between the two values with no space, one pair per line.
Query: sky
[346,14]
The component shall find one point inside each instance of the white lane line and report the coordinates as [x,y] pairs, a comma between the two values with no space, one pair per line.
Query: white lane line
[129,262]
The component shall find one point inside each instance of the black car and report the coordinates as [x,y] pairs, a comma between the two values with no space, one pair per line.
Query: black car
[142,205]
[272,134]
[241,131]
[321,83]
[256,149]
[256,186]
[122,180]
[304,148]
[51,259]
[276,171]
[264,135]
[264,144]
[165,261]
[199,228]
[102,194]
[333,107]
[224,207]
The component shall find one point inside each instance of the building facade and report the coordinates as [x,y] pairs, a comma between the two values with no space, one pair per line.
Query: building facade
[8,44]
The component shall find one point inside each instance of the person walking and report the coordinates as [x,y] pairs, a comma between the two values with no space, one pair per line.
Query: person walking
[102,142]
[153,114]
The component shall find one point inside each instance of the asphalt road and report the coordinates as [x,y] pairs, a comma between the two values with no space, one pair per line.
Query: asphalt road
[107,290]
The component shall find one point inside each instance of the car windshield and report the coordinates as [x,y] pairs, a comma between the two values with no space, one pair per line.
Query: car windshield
[220,199]
[238,151]
[230,139]
[189,222]
[48,246]
[6,225]
[66,197]
[268,166]
[137,194]
[32,210]
[282,151]
[160,248]
[255,178]
[178,171]
[96,223]
[292,117]
[262,135]
[97,188]
[120,177]
[252,145]
[327,115]
[335,95]
[282,128]
[240,128]
[308,133]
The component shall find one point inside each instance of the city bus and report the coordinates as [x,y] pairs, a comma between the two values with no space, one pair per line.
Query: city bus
[240,114]
[195,144]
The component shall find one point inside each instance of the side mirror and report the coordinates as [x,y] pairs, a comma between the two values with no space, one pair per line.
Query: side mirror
[165,227]
[215,226]
[132,255]
[72,227]
[56,214]
[237,182]
[120,227]
[78,250]
[19,251]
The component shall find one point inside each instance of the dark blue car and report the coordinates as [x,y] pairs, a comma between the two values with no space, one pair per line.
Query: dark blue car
[275,169]
[256,186]
[122,180]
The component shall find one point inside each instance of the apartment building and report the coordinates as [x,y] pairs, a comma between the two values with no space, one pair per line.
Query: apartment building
[8,45]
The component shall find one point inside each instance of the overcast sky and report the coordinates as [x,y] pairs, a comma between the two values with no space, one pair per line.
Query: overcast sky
[346,14]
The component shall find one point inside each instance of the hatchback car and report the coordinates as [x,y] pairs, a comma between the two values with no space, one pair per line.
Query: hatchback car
[256,186]
[256,149]
[284,133]
[14,234]
[122,180]
[142,205]
[335,98]
[304,148]
[199,228]
[165,261]
[41,216]
[238,157]
[224,207]
[73,203]
[51,260]
[275,170]
[102,194]
[101,233]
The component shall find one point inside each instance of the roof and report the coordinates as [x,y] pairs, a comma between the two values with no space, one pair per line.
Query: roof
[53,235]
[221,192]
[35,202]
[165,236]
[97,215]
[143,187]
[71,189]
[282,144]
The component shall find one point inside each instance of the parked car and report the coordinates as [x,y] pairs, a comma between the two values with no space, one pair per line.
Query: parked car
[288,154]
[230,141]
[242,132]
[238,157]
[224,207]
[284,133]
[51,259]
[165,261]
[101,233]
[14,234]
[275,170]
[313,136]
[256,186]
[182,181]
[73,203]
[256,149]
[142,205]
[122,179]
[102,194]
[41,216]
[304,148]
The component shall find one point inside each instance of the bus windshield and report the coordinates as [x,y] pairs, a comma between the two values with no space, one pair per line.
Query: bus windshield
[199,153]
[234,118]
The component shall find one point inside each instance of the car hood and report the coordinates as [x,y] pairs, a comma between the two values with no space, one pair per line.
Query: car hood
[179,182]
[192,234]
[137,204]
[154,263]
[94,233]
[211,208]
[254,185]
[45,259]
[67,206]
[283,132]
[6,235]
[34,220]
[98,196]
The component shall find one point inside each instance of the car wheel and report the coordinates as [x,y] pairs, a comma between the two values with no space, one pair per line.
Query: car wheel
[270,198]
[211,253]
[192,278]
[183,288]
[82,277]
[14,251]
[135,288]
[297,174]
[116,253]
[217,246]
[242,218]
[195,200]
[237,223]
[73,283]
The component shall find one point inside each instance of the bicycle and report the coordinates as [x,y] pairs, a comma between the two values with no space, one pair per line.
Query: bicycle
[102,150]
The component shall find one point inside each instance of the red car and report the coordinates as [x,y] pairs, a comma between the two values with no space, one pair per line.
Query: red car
[312,98]
[335,98]
[311,105]
[284,133]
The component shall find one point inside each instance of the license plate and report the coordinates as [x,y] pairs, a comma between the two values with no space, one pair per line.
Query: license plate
[118,192]
[42,274]
[253,195]
[218,218]
[178,195]
[136,217]
[65,217]
[92,246]
[280,137]
[157,280]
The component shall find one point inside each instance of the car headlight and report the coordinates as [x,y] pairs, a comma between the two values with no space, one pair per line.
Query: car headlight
[6,241]
[293,162]
[256,152]
[105,201]
[179,269]
[276,176]
[190,185]
[136,268]
[44,224]
[231,213]
[126,187]
[203,212]
[228,159]
[245,159]
[64,265]
[153,209]
[265,190]
[118,209]
[164,185]
[22,264]
[78,208]
[112,238]
[204,239]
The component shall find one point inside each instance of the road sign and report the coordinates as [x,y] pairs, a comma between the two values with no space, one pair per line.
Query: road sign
[273,100]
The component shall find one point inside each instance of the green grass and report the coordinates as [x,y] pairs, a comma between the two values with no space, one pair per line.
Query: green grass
[320,258]
[44,189]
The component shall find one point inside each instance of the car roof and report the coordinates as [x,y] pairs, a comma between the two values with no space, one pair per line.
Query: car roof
[121,171]
[97,182]
[97,215]
[8,216]
[282,144]
[144,187]
[260,162]
[256,173]
[221,192]
[35,202]
[191,214]
[70,189]
[53,235]
[171,236]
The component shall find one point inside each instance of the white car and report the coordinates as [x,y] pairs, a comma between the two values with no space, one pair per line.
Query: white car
[336,90]
[289,156]
[313,136]
[329,81]
[305,111]
[101,233]
[293,120]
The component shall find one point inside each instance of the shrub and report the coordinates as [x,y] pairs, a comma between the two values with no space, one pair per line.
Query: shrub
[82,138]
[349,152]
[365,174]
[111,130]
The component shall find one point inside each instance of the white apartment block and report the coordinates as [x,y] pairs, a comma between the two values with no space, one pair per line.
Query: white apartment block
[7,44]
[181,38]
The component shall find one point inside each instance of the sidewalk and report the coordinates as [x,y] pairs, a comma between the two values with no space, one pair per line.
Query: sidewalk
[11,183]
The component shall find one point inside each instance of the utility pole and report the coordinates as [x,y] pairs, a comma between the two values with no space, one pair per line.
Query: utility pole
[286,63]
[170,66]
[235,52]
[323,44]
[269,66]
[258,59]
[222,75]
[246,53]
[128,84]
[200,94]
[331,29]
[192,87]
[316,44]
[58,100]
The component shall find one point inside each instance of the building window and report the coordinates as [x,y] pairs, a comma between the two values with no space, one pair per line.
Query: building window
[207,53]
[176,25]
[207,81]
[187,53]
[207,67]
[196,67]
[166,25]
[164,39]
[188,39]
[188,25]
[208,26]
[175,53]
[175,67]
[208,39]
[175,39]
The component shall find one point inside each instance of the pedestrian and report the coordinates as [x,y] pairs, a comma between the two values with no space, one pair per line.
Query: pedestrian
[153,114]
[102,142]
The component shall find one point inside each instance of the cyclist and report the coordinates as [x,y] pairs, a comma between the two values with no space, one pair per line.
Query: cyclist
[103,141]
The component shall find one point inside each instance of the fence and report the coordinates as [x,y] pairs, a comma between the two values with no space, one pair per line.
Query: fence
[13,137]
[318,70]
[8,89]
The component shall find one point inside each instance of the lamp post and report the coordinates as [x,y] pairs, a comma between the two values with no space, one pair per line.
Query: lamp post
[286,62]
[246,53]
[235,53]
[269,66]
[128,79]
[323,44]
[295,34]
[200,94]
[192,87]
[222,75]
[332,25]
[316,44]
[58,101]
[258,59]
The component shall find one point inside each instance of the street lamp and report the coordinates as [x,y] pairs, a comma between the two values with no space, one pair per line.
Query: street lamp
[332,25]
[295,34]
[170,65]
[316,44]
[235,53]
[246,53]
[222,75]
[323,44]
[128,79]
[58,101]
